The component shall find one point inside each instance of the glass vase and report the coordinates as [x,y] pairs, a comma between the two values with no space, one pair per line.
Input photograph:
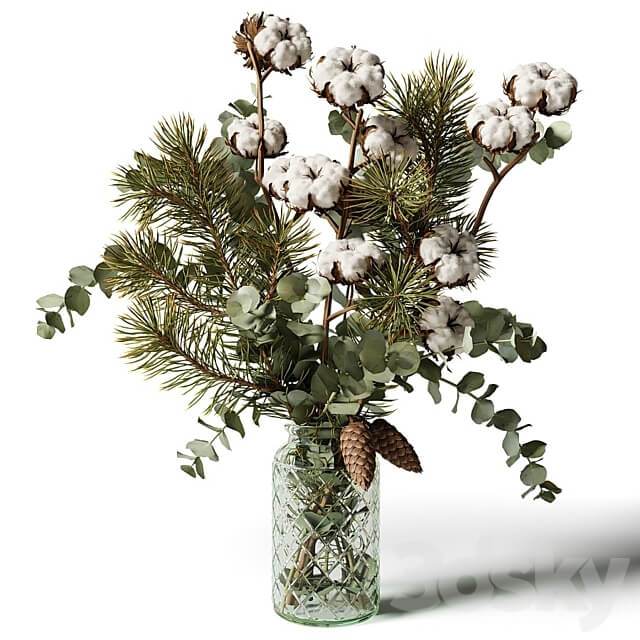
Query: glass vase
[325,533]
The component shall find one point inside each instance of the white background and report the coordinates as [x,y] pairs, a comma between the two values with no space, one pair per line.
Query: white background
[103,537]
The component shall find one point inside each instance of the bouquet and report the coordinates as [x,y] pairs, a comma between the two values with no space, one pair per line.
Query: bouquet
[232,300]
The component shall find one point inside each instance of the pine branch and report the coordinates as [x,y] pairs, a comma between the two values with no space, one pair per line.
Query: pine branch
[151,265]
[435,104]
[164,340]
[395,295]
[189,191]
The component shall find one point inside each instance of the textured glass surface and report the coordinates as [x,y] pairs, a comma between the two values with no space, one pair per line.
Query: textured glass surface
[325,534]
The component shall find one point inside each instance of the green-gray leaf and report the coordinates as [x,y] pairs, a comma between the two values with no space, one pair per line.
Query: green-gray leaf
[539,152]
[292,288]
[50,301]
[82,276]
[470,382]
[404,358]
[429,370]
[482,411]
[77,299]
[233,421]
[434,391]
[506,420]
[103,274]
[534,449]
[511,443]
[374,350]
[533,474]
[45,331]
[54,319]
[188,469]
[558,134]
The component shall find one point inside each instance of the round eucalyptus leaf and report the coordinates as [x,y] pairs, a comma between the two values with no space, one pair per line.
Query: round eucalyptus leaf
[506,420]
[533,474]
[534,449]
[77,299]
[45,331]
[243,300]
[482,411]
[103,274]
[539,152]
[303,306]
[558,134]
[373,351]
[82,276]
[50,301]
[292,288]
[470,382]
[318,286]
[404,358]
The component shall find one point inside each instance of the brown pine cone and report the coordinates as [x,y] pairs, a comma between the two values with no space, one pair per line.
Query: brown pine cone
[393,446]
[358,453]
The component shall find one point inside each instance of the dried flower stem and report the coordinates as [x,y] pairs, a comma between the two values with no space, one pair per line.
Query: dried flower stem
[328,316]
[259,171]
[498,177]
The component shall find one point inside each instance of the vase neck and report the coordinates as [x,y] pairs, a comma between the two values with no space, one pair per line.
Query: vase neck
[313,433]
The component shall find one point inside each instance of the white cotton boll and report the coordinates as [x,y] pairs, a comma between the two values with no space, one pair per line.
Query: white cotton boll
[348,77]
[523,125]
[317,163]
[346,89]
[325,192]
[283,44]
[340,54]
[445,325]
[361,56]
[245,139]
[450,269]
[385,136]
[349,260]
[454,255]
[539,86]
[370,250]
[324,72]
[372,79]
[298,192]
[307,182]
[284,55]
[496,133]
[303,47]
[499,127]
[433,248]
[266,40]
[353,266]
[276,23]
[275,177]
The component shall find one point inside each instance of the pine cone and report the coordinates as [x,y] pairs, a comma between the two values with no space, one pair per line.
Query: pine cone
[393,446]
[358,453]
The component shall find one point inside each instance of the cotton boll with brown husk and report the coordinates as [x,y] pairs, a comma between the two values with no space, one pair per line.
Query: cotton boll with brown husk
[244,137]
[305,183]
[452,254]
[499,127]
[539,86]
[349,260]
[348,77]
[444,325]
[283,44]
[388,137]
